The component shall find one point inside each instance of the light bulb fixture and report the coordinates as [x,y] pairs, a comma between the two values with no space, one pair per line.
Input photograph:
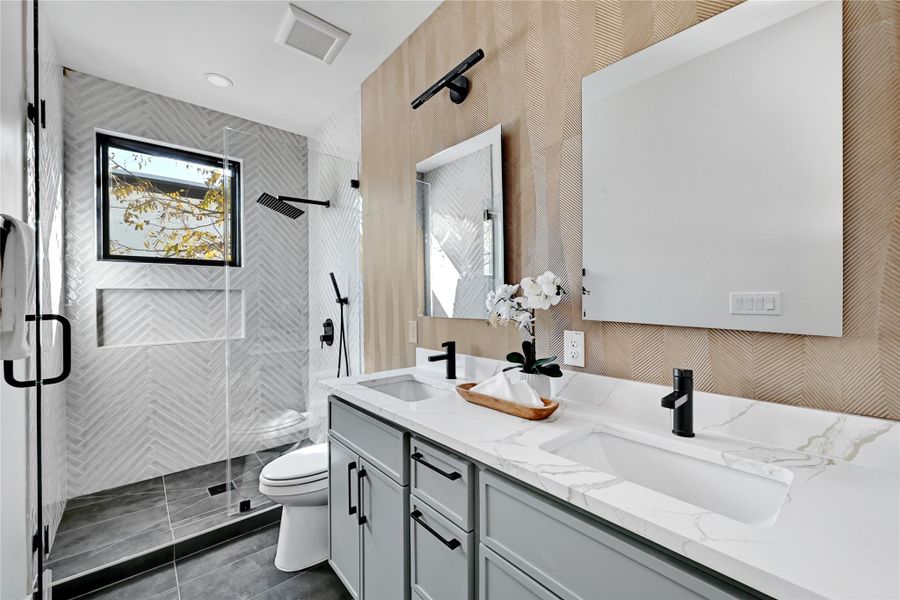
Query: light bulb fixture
[219,81]
[454,81]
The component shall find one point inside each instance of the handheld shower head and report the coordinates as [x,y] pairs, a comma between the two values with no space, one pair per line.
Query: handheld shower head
[337,292]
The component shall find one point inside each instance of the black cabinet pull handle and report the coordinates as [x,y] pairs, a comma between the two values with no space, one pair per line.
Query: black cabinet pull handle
[351,510]
[452,543]
[452,476]
[361,519]
[8,373]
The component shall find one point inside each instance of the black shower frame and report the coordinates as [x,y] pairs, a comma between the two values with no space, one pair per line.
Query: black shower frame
[102,144]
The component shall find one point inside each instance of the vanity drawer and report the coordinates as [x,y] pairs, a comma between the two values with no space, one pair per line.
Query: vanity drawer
[577,558]
[444,481]
[437,570]
[499,580]
[381,444]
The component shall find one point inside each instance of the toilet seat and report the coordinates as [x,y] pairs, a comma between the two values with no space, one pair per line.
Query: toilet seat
[298,468]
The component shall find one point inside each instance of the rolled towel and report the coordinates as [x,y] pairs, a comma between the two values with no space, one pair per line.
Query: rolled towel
[16,287]
[519,392]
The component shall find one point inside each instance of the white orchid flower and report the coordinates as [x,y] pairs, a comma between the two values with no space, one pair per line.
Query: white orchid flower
[524,319]
[530,287]
[549,283]
[538,302]
[491,301]
[508,289]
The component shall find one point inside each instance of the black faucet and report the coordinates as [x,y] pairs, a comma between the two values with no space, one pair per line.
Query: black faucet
[681,401]
[449,356]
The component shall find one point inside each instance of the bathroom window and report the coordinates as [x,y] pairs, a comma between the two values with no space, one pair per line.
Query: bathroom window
[161,204]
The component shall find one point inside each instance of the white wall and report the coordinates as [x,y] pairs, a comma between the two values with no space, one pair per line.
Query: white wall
[13,402]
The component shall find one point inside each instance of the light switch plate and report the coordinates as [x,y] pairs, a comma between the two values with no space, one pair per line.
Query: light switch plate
[412,332]
[754,303]
[573,348]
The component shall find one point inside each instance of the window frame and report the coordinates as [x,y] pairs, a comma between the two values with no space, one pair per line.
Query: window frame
[103,141]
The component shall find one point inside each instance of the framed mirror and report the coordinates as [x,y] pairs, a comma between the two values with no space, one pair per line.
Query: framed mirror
[713,175]
[459,199]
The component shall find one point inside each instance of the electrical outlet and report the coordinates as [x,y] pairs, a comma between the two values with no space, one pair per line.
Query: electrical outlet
[412,332]
[573,348]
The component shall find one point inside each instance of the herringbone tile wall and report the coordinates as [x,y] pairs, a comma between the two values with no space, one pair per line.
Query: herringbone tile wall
[334,238]
[142,410]
[530,82]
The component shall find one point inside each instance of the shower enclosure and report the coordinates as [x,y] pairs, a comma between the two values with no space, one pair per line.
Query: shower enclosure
[196,314]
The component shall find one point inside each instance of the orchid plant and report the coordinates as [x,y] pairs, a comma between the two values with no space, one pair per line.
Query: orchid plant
[517,303]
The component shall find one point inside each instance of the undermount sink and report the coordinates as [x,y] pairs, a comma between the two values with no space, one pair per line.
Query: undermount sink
[410,388]
[740,488]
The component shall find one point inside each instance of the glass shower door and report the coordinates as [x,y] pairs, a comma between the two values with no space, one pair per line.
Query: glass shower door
[135,451]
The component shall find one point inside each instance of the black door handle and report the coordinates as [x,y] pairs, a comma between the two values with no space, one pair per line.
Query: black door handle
[452,476]
[9,374]
[361,519]
[351,510]
[452,543]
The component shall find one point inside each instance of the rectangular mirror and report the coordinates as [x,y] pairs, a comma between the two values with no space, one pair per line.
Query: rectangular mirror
[712,166]
[459,196]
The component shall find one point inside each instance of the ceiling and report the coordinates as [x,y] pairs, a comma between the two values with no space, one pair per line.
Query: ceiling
[167,47]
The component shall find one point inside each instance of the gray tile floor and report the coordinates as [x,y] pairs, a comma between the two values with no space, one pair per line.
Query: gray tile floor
[239,569]
[104,527]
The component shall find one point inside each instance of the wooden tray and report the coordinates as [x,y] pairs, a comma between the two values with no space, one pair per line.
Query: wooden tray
[526,412]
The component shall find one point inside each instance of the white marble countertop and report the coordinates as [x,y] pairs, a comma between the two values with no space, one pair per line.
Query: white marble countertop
[838,531]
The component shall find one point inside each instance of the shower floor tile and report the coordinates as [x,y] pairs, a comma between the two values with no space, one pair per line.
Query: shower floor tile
[240,569]
[106,527]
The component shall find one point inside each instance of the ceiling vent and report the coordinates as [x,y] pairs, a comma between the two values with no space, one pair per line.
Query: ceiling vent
[311,35]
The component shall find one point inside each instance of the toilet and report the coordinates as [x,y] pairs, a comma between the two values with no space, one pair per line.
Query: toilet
[298,480]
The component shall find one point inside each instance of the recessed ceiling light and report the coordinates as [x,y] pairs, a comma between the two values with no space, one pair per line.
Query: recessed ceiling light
[218,80]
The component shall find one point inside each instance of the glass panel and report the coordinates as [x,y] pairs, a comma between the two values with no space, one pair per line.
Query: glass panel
[266,372]
[291,243]
[334,241]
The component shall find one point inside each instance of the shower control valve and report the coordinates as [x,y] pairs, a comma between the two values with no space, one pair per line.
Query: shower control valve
[327,336]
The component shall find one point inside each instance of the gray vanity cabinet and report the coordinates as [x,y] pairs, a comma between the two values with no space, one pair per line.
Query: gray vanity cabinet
[343,529]
[499,580]
[368,508]
[383,505]
[442,539]
[444,481]
[579,559]
[442,565]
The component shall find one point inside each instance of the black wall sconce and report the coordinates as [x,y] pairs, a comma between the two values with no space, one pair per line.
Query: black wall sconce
[453,81]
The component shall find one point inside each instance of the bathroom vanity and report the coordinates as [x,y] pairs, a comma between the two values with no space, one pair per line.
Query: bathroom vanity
[410,519]
[433,498]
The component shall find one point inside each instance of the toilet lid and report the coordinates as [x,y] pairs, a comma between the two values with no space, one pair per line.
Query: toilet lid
[298,464]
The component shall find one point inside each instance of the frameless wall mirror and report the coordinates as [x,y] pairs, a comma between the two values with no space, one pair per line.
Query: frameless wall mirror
[713,175]
[459,195]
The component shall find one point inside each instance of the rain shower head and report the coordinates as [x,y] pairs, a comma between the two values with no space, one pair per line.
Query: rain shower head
[276,204]
[281,205]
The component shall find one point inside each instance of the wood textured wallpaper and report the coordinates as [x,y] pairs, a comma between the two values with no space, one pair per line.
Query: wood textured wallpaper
[530,82]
